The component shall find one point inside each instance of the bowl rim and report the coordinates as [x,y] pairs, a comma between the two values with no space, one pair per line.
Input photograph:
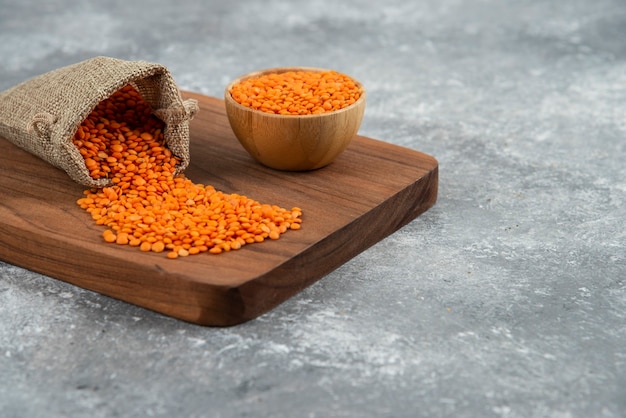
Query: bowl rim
[228,97]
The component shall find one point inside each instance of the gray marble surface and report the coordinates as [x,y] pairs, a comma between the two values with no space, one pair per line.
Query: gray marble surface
[506,299]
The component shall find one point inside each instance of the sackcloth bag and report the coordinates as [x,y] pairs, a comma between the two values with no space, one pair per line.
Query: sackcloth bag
[41,115]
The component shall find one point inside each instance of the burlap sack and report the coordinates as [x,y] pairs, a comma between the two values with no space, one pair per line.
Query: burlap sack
[41,115]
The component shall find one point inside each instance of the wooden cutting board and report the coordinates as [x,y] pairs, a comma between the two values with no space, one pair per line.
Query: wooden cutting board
[369,192]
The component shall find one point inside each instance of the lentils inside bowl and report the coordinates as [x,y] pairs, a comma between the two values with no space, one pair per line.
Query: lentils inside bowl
[297,92]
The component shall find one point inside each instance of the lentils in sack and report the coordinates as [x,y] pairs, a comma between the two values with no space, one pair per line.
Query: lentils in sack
[41,115]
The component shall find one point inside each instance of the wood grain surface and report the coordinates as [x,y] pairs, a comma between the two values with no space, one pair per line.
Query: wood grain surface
[369,192]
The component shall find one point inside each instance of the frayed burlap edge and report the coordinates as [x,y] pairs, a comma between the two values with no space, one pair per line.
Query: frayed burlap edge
[41,115]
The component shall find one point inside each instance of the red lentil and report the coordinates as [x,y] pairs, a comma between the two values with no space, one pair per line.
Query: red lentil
[150,207]
[297,92]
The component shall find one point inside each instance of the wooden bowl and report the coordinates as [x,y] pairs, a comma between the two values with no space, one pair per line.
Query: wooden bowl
[293,142]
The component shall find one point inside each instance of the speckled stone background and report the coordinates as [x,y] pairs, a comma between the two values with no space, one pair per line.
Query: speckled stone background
[506,299]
